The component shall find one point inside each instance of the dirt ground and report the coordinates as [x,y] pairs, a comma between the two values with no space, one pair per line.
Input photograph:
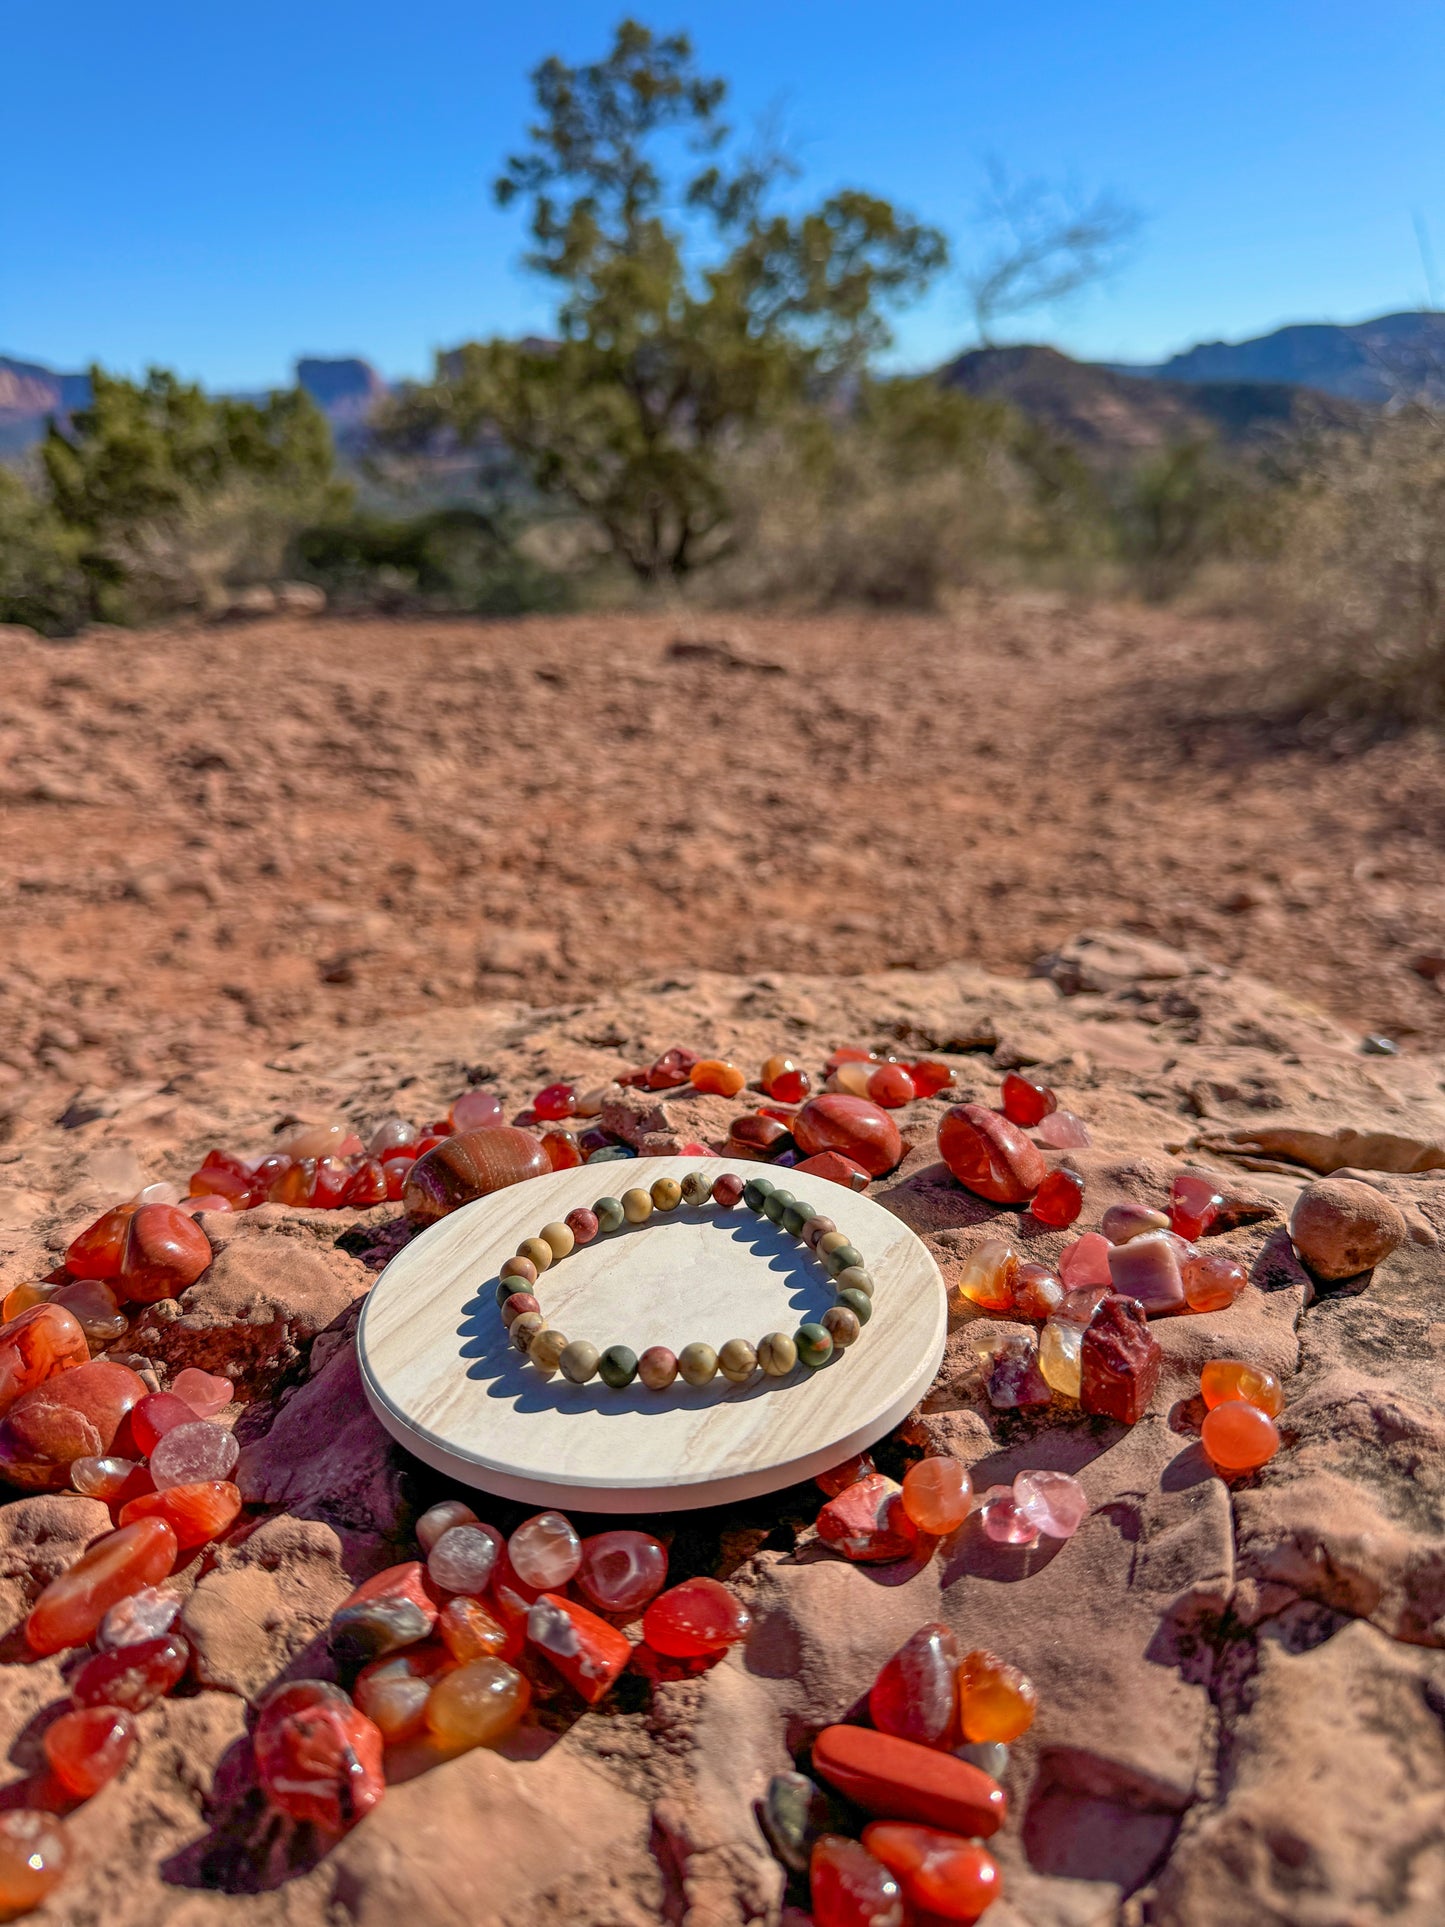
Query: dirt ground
[219,840]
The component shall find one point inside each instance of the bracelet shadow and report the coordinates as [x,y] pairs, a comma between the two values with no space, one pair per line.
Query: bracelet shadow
[504,1373]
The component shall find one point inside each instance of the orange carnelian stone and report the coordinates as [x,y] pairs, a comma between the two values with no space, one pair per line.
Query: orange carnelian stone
[891,1086]
[849,1888]
[915,1696]
[995,1701]
[406,1581]
[196,1513]
[72,1416]
[936,1496]
[37,1345]
[98,1251]
[784,1080]
[157,1414]
[1239,1437]
[221,1175]
[71,1607]
[988,1275]
[716,1076]
[930,1077]
[318,1757]
[943,1876]
[393,1691]
[563,1151]
[132,1677]
[589,1652]
[34,1856]
[471,1631]
[165,1250]
[88,1747]
[1223,1379]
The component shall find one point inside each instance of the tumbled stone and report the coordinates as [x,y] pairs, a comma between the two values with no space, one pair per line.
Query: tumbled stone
[1003,1522]
[891,1086]
[915,1696]
[895,1779]
[34,1859]
[995,1700]
[836,1168]
[195,1513]
[471,1165]
[1025,1102]
[405,1581]
[989,1155]
[544,1551]
[717,1077]
[474,1110]
[1064,1131]
[930,1077]
[76,1414]
[469,1630]
[143,1616]
[587,1651]
[1212,1280]
[867,1522]
[72,1606]
[839,1477]
[784,1080]
[155,1415]
[1225,1379]
[393,1692]
[132,1676]
[1086,1262]
[1061,1356]
[855,1126]
[1239,1437]
[165,1251]
[36,1346]
[319,1758]
[1147,1270]
[1014,1378]
[1037,1293]
[1120,1361]
[192,1454]
[464,1557]
[1053,1502]
[942,1876]
[699,1616]
[1341,1227]
[986,1277]
[99,1250]
[794,1814]
[440,1518]
[849,1888]
[1059,1199]
[621,1570]
[1194,1201]
[478,1704]
[1121,1222]
[373,1628]
[86,1749]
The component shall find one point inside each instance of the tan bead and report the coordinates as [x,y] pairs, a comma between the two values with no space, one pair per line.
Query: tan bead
[697,1364]
[841,1323]
[579,1361]
[558,1236]
[519,1267]
[537,1251]
[525,1329]
[737,1360]
[637,1206]
[696,1188]
[854,1278]
[777,1354]
[666,1194]
[814,1229]
[546,1349]
[831,1241]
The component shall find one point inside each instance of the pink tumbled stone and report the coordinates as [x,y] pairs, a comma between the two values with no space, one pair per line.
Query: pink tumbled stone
[475,1110]
[1063,1131]
[1147,1269]
[205,1392]
[545,1551]
[1051,1501]
[146,1615]
[1086,1262]
[621,1571]
[193,1454]
[1003,1522]
[1121,1222]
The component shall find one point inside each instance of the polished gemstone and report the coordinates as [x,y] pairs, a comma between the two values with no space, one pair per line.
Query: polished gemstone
[554,1101]
[544,1551]
[474,1110]
[132,1676]
[1085,1262]
[1147,1270]
[76,1414]
[1024,1102]
[915,1696]
[99,1250]
[1059,1199]
[1003,1522]
[891,1086]
[839,1477]
[86,1749]
[1194,1202]
[1064,1131]
[469,1629]
[784,1080]
[896,1779]
[405,1581]
[617,1366]
[1121,1222]
[855,1126]
[34,1858]
[1212,1280]
[621,1570]
[850,1888]
[995,1700]
[937,1496]
[207,1393]
[144,1615]
[38,1345]
[794,1813]
[195,1513]
[371,1628]
[836,1168]
[727,1190]
[942,1876]
[1014,1378]
[471,1165]
[462,1558]
[697,1364]
[393,1692]
[867,1522]
[717,1077]
[165,1252]
[986,1278]
[1239,1437]
[699,1616]
[929,1077]
[71,1607]
[318,1756]
[587,1651]
[1061,1356]
[1053,1501]
[1225,1379]
[990,1155]
[192,1454]
[155,1415]
[478,1704]
[657,1368]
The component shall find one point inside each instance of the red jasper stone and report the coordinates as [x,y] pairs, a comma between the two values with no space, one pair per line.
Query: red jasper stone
[929,1077]
[839,1477]
[1120,1361]
[98,1251]
[1059,1199]
[366,1186]
[587,1651]
[897,1779]
[856,1126]
[849,1888]
[1026,1103]
[942,1876]
[74,1415]
[867,1522]
[165,1251]
[318,1757]
[471,1165]
[699,1616]
[155,1415]
[87,1748]
[989,1155]
[196,1513]
[72,1606]
[837,1169]
[915,1696]
[132,1676]
[891,1085]
[556,1100]
[36,1346]
[405,1581]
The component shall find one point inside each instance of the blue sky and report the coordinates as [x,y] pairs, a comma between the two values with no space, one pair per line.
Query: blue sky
[218,189]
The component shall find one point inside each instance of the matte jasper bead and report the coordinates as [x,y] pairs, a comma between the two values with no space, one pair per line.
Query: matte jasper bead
[657,1368]
[609,1214]
[696,1189]
[515,1304]
[697,1364]
[582,1223]
[989,1155]
[617,1366]
[842,1324]
[777,1354]
[545,1351]
[471,1165]
[538,1253]
[737,1360]
[579,1361]
[896,1779]
[815,1345]
[727,1190]
[1120,1361]
[666,1194]
[558,1237]
[855,1126]
[637,1205]
[518,1267]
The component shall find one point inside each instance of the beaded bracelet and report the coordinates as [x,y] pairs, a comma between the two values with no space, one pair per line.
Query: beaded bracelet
[812,1345]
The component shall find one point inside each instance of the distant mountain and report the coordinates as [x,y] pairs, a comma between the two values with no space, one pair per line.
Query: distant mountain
[1395,357]
[1109,413]
[345,390]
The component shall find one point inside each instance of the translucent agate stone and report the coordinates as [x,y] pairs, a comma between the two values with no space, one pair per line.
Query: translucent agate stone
[441,1518]
[1060,1356]
[132,1676]
[474,1110]
[1121,1222]
[471,1165]
[195,1513]
[1086,1262]
[937,1496]
[396,1134]
[205,1392]
[88,1747]
[1003,1522]
[155,1415]
[478,1704]
[1014,1378]
[36,1346]
[915,1695]
[563,1151]
[464,1558]
[1064,1131]
[221,1175]
[367,1629]
[315,1141]
[1194,1202]
[1239,1437]
[943,1877]
[72,1606]
[74,1415]
[393,1692]
[989,1155]
[930,1077]
[1037,1293]
[99,1249]
[1026,1103]
[717,1077]
[794,1814]
[784,1080]
[621,1571]
[470,1630]
[366,1186]
[193,1454]
[852,1078]
[34,1859]
[699,1616]
[145,1615]
[545,1551]
[555,1101]
[318,1757]
[987,1276]
[855,1126]
[102,1478]
[1225,1379]
[995,1700]
[1052,1501]
[891,1086]
[850,1888]
[1212,1280]
[95,1308]
[1059,1199]
[165,1251]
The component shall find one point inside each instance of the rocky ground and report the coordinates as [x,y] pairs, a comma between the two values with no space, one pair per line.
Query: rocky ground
[1242,1688]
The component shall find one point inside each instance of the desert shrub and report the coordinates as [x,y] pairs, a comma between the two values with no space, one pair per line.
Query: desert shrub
[1359,587]
[1187,506]
[457,558]
[41,581]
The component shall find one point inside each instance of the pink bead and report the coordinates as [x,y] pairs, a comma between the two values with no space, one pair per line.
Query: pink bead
[1086,1262]
[193,1454]
[205,1392]
[621,1571]
[475,1110]
[582,1223]
[1051,1501]
[1002,1520]
[1063,1131]
[545,1551]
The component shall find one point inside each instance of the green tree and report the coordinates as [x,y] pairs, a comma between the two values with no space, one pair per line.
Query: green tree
[689,308]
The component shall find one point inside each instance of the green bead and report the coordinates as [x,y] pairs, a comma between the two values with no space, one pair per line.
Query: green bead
[840,1259]
[796,1215]
[755,1191]
[775,1204]
[858,1302]
[609,1213]
[815,1345]
[507,1286]
[618,1366]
